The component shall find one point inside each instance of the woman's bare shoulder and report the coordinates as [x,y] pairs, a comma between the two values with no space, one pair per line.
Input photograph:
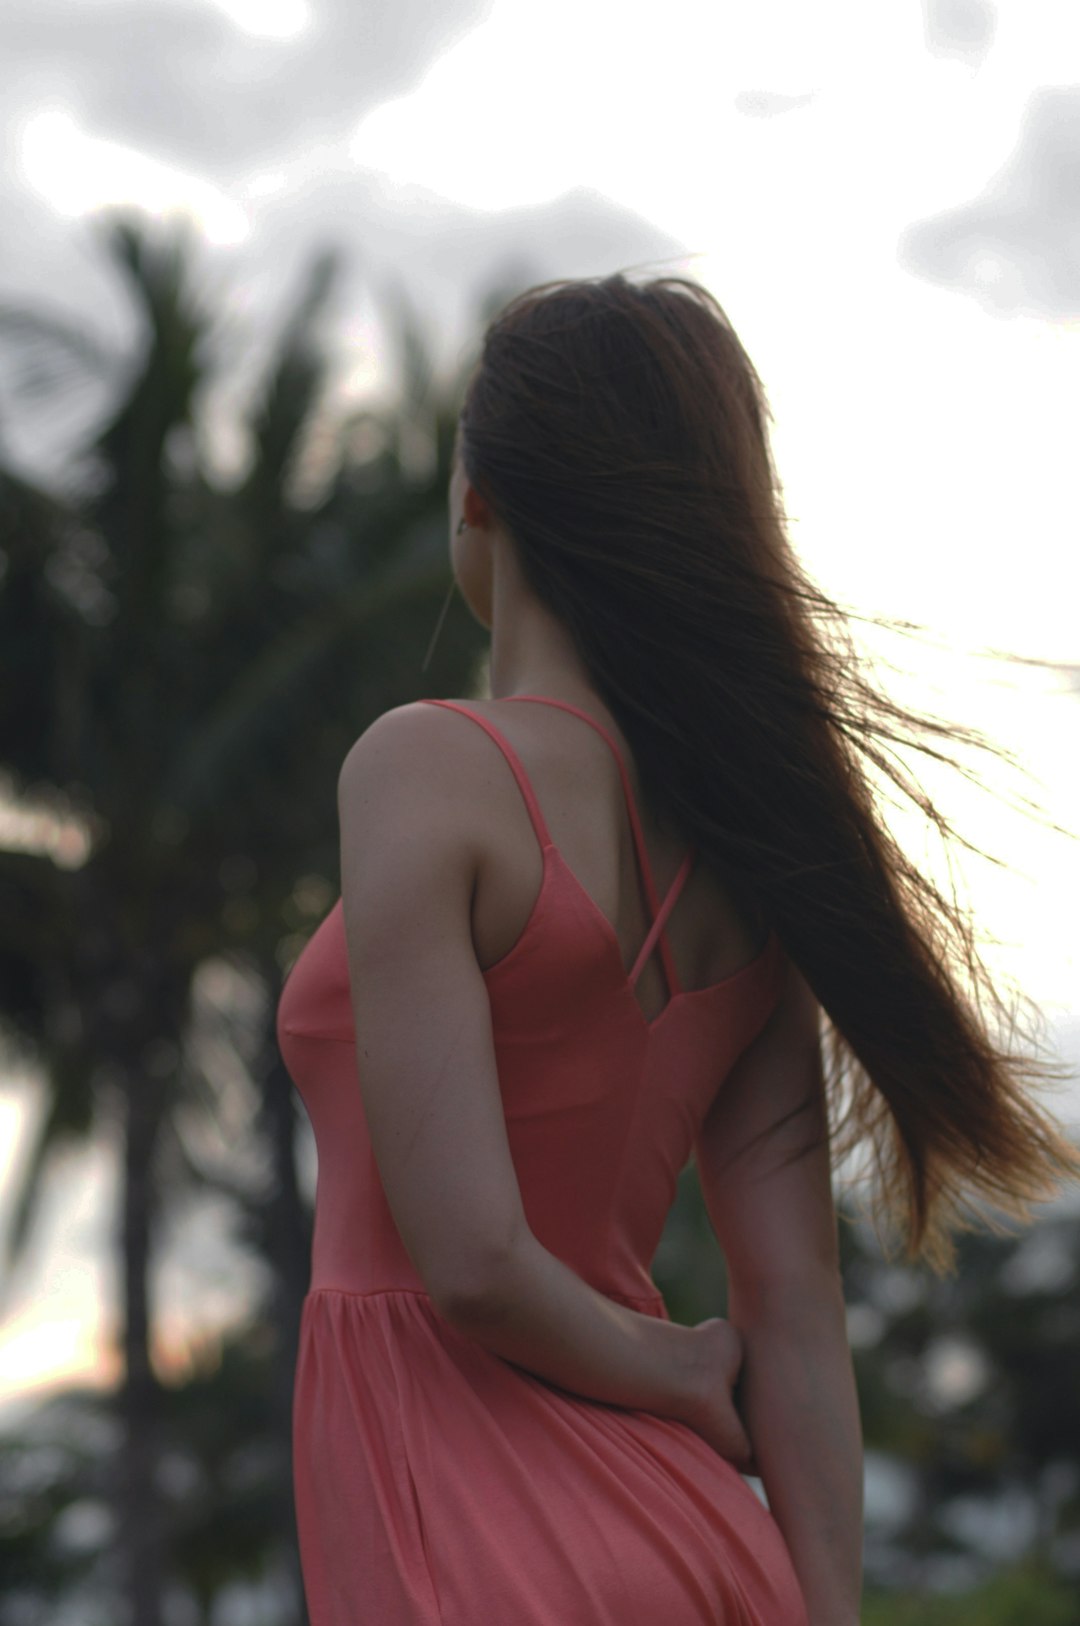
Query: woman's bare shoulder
[427,751]
[412,722]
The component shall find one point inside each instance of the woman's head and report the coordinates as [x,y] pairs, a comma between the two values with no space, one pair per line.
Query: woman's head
[614,437]
[607,428]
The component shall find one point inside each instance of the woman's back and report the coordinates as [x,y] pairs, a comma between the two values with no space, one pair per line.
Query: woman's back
[574,775]
[460,1484]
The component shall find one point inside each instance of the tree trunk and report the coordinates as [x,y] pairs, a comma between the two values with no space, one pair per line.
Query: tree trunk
[140,1533]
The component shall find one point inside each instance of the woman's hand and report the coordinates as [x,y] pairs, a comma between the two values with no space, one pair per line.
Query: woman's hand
[711,1411]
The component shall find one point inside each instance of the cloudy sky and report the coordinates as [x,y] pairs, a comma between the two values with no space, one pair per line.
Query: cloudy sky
[886,200]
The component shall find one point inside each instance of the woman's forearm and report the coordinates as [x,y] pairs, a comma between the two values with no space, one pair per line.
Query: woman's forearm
[542,1316]
[798,1400]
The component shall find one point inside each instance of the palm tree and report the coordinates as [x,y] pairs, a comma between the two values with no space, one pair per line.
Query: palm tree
[188,668]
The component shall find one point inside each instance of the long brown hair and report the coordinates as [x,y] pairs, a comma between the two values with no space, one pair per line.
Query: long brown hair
[618,431]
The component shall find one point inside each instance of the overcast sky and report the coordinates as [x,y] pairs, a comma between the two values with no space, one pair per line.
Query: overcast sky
[885,198]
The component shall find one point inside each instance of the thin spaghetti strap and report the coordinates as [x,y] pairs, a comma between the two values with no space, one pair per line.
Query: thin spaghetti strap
[538,822]
[661,919]
[635,822]
[656,909]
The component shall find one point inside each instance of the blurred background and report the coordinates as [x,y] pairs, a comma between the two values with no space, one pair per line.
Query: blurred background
[248,255]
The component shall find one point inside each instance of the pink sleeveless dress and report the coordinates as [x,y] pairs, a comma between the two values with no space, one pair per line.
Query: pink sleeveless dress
[435,1483]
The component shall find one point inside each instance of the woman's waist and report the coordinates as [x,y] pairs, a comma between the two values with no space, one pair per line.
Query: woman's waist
[364,1284]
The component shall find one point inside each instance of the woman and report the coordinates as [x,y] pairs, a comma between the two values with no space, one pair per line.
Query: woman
[591,927]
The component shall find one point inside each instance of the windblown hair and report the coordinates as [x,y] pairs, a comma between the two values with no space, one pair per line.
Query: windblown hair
[618,432]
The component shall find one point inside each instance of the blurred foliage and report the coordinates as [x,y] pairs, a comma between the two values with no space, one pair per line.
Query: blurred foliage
[1029,1595]
[967,1389]
[221,1459]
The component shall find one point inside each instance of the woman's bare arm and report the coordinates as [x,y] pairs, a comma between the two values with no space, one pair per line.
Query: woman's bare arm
[542,1316]
[429,1081]
[777,1227]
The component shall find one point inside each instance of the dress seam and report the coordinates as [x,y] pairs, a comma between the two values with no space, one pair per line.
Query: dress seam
[370,1292]
[422,1293]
